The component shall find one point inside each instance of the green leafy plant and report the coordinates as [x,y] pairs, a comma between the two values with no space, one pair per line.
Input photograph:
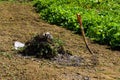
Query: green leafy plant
[100,18]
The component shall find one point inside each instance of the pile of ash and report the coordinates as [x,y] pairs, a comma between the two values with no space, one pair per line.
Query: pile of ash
[69,60]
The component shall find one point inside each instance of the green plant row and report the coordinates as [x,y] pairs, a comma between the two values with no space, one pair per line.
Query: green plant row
[101,18]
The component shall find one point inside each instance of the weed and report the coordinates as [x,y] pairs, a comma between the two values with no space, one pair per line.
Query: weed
[6,54]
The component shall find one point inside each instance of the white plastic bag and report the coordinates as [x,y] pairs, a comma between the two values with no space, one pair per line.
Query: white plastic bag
[18,45]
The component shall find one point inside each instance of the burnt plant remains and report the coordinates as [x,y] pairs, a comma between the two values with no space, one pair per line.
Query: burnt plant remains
[43,46]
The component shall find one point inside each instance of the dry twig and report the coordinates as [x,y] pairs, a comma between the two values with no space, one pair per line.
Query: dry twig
[83,33]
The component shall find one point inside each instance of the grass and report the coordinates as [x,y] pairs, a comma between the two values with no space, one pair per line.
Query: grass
[8,55]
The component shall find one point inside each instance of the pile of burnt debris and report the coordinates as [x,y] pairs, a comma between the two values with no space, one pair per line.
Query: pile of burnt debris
[44,46]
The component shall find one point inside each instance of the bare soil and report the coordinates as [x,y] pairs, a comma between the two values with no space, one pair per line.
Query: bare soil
[20,22]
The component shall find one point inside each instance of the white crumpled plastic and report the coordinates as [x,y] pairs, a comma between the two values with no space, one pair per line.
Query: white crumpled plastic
[18,45]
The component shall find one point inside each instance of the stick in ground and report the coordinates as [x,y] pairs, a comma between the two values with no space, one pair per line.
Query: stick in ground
[83,33]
